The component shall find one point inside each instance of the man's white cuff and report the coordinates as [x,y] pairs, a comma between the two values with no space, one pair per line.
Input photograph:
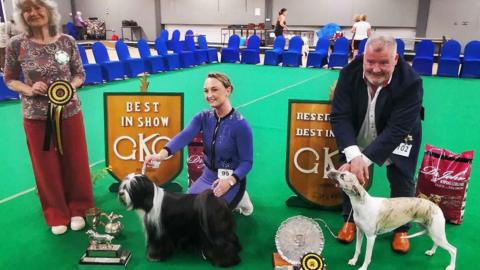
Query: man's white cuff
[353,151]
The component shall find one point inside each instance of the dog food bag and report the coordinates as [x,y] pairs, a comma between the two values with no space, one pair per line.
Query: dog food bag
[443,178]
[195,159]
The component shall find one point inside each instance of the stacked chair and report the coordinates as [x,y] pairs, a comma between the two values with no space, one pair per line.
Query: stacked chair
[274,57]
[172,60]
[318,58]
[132,66]
[423,60]
[339,56]
[293,56]
[212,55]
[200,55]
[187,58]
[93,72]
[471,60]
[175,38]
[231,54]
[449,61]
[153,63]
[111,70]
[251,55]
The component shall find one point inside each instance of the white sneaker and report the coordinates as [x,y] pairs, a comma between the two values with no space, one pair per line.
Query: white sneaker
[57,230]
[245,206]
[77,223]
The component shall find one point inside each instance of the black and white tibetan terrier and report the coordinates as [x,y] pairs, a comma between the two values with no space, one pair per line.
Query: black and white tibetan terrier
[182,221]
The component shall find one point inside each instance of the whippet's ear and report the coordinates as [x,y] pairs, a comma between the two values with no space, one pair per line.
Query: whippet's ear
[342,176]
[328,167]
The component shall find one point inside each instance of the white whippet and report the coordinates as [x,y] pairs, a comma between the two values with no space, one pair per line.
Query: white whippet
[374,216]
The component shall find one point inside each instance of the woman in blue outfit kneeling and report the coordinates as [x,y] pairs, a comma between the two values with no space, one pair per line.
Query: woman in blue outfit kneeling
[228,147]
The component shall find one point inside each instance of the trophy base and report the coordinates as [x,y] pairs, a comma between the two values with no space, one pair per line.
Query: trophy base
[103,254]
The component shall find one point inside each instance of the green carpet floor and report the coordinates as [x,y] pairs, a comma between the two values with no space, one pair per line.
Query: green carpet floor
[261,94]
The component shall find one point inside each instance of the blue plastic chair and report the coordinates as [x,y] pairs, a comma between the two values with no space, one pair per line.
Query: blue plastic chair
[361,47]
[274,57]
[200,55]
[400,47]
[187,58]
[174,40]
[153,63]
[293,56]
[72,31]
[251,55]
[172,60]
[449,61]
[339,56]
[110,69]
[164,34]
[5,92]
[318,58]
[93,72]
[133,66]
[471,60]
[423,60]
[231,54]
[212,53]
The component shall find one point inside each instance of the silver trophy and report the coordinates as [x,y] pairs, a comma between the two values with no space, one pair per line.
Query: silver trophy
[298,236]
[100,249]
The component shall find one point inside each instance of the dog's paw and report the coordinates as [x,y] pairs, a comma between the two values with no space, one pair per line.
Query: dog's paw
[450,267]
[352,261]
[429,252]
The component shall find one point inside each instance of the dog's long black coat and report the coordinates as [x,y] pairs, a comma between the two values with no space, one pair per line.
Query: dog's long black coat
[199,221]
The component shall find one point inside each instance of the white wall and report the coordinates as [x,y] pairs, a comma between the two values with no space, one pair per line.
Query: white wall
[454,19]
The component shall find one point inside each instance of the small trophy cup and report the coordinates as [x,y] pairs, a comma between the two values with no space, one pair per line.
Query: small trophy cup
[100,250]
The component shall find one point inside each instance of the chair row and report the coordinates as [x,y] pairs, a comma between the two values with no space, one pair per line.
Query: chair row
[448,64]
[108,70]
[290,57]
[449,60]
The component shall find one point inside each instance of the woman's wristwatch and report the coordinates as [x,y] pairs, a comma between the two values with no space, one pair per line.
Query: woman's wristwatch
[232,181]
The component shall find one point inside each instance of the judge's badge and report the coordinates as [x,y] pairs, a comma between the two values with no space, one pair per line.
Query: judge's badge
[62,57]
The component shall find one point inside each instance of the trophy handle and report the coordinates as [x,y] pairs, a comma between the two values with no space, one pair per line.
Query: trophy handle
[103,215]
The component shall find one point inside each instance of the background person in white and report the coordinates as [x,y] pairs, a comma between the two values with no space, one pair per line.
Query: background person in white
[361,29]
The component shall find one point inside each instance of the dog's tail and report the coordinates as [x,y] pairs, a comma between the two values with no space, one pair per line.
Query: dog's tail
[415,234]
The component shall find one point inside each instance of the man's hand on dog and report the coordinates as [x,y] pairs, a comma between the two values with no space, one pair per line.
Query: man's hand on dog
[358,167]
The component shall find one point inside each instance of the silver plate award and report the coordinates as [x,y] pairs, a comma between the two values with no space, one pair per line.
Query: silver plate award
[298,236]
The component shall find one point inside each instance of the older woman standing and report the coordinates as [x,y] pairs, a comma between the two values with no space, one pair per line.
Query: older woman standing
[228,147]
[42,55]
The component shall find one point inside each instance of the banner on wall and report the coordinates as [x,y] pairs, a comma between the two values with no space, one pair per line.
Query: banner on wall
[138,124]
[311,147]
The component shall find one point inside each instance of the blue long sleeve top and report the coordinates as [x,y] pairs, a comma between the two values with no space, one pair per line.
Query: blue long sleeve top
[227,141]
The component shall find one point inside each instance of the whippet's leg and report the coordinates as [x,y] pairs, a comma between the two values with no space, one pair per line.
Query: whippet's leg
[437,232]
[431,251]
[358,247]
[368,252]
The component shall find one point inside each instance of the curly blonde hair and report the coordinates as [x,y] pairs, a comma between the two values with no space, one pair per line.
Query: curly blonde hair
[52,10]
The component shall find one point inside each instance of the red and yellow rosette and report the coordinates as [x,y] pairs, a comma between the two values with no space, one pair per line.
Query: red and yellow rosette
[59,94]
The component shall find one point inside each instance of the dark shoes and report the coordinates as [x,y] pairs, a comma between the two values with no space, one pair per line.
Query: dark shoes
[400,244]
[347,232]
